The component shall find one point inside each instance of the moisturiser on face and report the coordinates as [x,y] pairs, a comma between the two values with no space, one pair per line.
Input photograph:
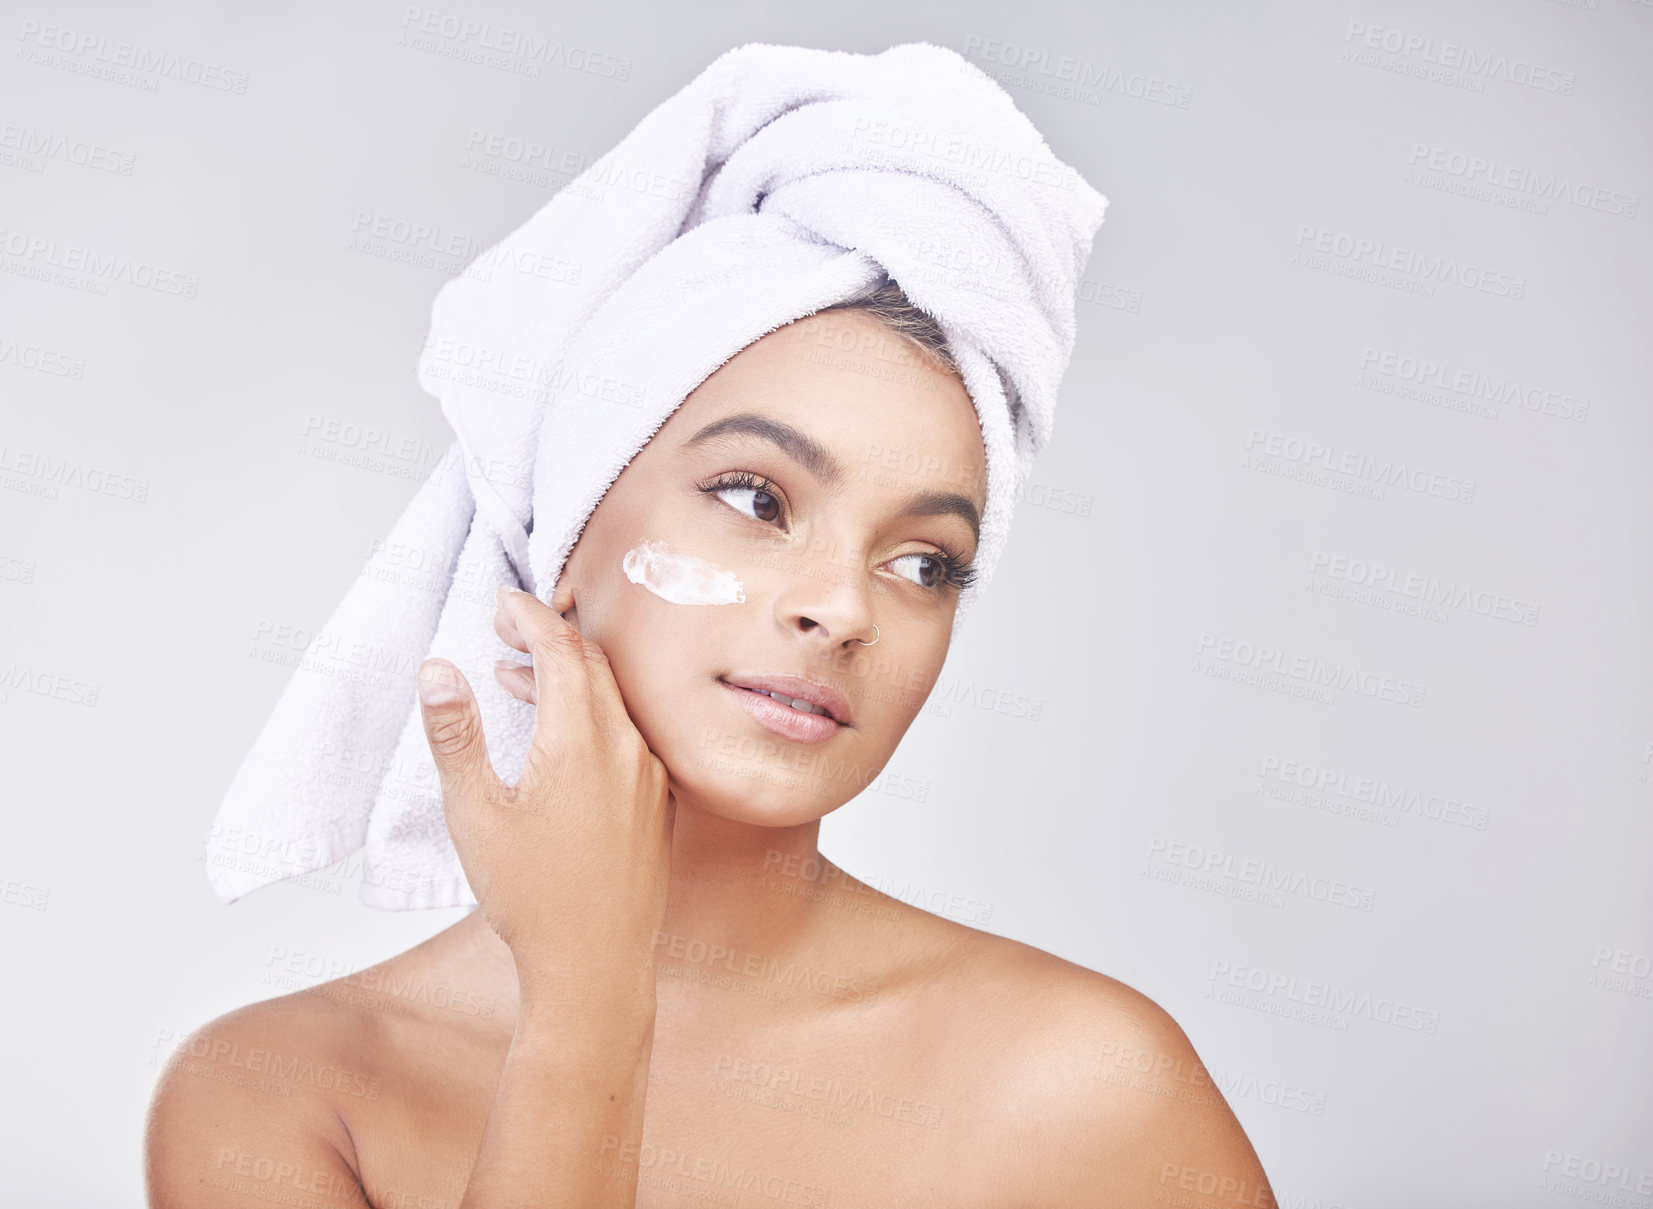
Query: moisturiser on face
[681,578]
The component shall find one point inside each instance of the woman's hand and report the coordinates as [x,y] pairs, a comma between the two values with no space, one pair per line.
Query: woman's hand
[571,868]
[571,864]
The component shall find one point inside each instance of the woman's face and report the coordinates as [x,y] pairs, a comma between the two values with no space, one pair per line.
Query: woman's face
[832,472]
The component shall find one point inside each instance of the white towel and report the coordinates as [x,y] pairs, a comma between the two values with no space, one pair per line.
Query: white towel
[779,181]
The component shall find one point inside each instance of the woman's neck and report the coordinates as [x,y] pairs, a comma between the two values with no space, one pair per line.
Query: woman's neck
[744,886]
[740,894]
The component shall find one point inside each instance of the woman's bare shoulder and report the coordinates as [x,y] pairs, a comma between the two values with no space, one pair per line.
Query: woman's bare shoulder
[270,1098]
[248,1103]
[1100,1088]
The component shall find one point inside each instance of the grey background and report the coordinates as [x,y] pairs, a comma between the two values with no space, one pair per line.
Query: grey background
[134,678]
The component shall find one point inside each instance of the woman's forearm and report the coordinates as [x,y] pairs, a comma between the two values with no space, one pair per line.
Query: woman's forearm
[567,1119]
[571,867]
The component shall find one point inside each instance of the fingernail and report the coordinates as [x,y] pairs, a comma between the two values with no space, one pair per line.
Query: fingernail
[499,594]
[437,685]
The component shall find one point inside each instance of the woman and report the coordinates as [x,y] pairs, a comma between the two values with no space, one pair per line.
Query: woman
[668,996]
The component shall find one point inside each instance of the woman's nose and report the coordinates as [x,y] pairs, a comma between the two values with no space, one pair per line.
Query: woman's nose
[826,593]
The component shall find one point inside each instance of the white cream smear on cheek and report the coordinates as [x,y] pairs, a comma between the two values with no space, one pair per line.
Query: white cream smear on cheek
[681,578]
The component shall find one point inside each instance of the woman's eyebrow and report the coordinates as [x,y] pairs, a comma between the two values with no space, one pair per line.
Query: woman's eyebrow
[814,457]
[944,503]
[796,444]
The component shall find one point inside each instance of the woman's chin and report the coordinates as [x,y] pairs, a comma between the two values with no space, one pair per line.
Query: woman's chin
[759,799]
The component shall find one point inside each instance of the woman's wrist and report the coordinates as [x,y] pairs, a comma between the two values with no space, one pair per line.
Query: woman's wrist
[616,1010]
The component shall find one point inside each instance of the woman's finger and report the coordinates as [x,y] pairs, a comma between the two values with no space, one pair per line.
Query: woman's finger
[606,698]
[591,691]
[516,679]
[504,626]
[559,659]
[453,727]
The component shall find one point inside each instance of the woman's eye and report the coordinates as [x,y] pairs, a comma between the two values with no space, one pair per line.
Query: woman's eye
[929,576]
[753,501]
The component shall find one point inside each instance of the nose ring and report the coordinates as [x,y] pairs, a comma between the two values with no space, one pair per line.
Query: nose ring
[876,636]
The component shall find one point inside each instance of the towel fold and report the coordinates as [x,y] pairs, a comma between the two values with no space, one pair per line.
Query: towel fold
[779,181]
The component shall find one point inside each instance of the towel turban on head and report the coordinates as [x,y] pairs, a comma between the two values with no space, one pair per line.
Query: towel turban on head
[779,181]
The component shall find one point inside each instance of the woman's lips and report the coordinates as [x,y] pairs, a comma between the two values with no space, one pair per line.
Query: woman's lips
[783,719]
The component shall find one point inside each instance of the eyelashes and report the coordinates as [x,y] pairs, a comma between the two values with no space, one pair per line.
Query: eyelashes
[956,570]
[745,481]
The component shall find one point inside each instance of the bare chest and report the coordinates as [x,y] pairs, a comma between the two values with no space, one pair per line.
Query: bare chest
[775,1121]
[738,1116]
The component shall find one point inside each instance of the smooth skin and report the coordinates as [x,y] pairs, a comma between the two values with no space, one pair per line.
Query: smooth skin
[668,997]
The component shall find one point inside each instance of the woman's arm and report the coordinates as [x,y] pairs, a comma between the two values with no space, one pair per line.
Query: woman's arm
[239,1118]
[569,1108]
[571,867]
